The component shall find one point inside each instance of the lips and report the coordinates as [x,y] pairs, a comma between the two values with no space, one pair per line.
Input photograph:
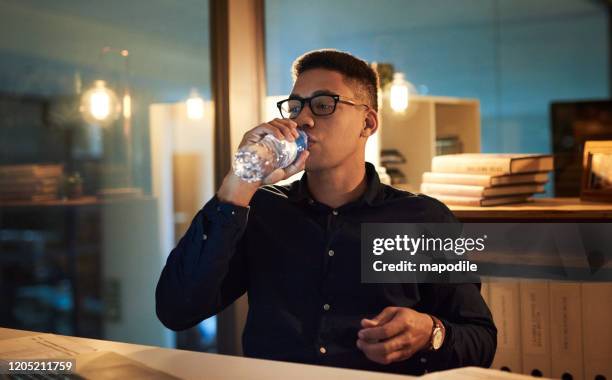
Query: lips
[311,140]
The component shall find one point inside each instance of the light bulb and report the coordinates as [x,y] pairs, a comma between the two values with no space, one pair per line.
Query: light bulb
[99,104]
[399,95]
[127,106]
[195,106]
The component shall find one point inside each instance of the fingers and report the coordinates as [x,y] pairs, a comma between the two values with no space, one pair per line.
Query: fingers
[365,323]
[400,355]
[385,316]
[275,176]
[282,129]
[280,174]
[395,334]
[256,134]
[377,328]
[385,331]
[394,349]
[287,127]
[298,165]
[382,348]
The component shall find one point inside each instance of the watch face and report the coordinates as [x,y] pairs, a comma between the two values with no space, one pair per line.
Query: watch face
[437,339]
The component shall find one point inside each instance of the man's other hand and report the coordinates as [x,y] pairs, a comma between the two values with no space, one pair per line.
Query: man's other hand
[394,335]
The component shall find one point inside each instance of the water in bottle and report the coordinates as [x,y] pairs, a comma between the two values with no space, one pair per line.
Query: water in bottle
[254,162]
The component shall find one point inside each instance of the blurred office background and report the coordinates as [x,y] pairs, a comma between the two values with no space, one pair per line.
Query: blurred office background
[111,105]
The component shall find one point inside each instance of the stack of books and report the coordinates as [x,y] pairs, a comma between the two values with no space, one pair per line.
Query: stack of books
[486,179]
[30,182]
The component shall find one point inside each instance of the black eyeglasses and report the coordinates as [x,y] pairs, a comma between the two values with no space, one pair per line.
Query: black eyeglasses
[320,105]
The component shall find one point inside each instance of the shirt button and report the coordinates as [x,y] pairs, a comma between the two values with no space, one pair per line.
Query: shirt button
[331,252]
[204,237]
[335,212]
[326,307]
[423,360]
[310,201]
[322,350]
[233,212]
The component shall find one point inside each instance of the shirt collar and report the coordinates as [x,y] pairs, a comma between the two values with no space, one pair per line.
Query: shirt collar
[374,189]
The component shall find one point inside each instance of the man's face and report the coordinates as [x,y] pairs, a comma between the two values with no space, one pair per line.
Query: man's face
[335,138]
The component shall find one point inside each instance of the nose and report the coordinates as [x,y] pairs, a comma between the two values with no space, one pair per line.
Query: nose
[305,118]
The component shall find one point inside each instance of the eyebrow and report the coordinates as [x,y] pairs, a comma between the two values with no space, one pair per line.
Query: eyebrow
[318,92]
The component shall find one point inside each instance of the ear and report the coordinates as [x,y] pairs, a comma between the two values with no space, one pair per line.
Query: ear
[370,124]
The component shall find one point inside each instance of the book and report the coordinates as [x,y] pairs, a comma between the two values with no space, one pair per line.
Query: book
[448,145]
[478,201]
[480,191]
[31,198]
[566,330]
[504,297]
[89,362]
[32,189]
[28,181]
[597,329]
[30,171]
[391,156]
[472,373]
[485,180]
[492,163]
[535,327]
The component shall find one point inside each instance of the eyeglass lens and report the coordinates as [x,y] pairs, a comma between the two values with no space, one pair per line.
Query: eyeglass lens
[321,105]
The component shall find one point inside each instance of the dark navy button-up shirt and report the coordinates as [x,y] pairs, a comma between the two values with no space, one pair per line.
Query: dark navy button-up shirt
[299,262]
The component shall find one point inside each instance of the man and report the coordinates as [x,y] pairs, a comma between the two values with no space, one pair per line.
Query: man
[296,249]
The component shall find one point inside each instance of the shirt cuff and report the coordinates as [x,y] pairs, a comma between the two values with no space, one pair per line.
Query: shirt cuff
[440,359]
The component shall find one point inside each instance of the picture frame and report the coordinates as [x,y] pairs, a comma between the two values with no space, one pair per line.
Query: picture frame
[597,171]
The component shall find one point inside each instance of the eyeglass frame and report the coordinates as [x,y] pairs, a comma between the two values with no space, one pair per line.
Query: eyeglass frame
[303,101]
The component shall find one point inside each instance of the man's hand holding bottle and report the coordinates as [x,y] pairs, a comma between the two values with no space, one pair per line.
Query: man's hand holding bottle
[257,159]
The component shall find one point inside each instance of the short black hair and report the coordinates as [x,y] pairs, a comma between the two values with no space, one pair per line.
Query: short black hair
[354,70]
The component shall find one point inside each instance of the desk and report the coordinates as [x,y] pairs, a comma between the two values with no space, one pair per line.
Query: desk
[540,209]
[197,365]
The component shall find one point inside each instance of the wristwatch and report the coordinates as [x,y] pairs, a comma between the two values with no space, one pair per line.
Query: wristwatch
[437,334]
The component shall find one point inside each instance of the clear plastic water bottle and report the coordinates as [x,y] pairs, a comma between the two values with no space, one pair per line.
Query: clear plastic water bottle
[254,162]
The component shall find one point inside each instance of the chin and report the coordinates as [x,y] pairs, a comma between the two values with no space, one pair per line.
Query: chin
[309,166]
[312,165]
[318,161]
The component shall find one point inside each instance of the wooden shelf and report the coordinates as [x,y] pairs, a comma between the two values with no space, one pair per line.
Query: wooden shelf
[565,209]
[414,132]
[78,202]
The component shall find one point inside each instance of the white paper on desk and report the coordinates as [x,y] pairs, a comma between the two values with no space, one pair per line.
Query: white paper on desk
[474,373]
[42,346]
[106,365]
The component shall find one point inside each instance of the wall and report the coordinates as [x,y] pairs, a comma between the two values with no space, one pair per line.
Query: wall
[516,56]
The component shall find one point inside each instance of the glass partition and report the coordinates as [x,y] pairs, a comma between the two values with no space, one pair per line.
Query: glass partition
[105,121]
